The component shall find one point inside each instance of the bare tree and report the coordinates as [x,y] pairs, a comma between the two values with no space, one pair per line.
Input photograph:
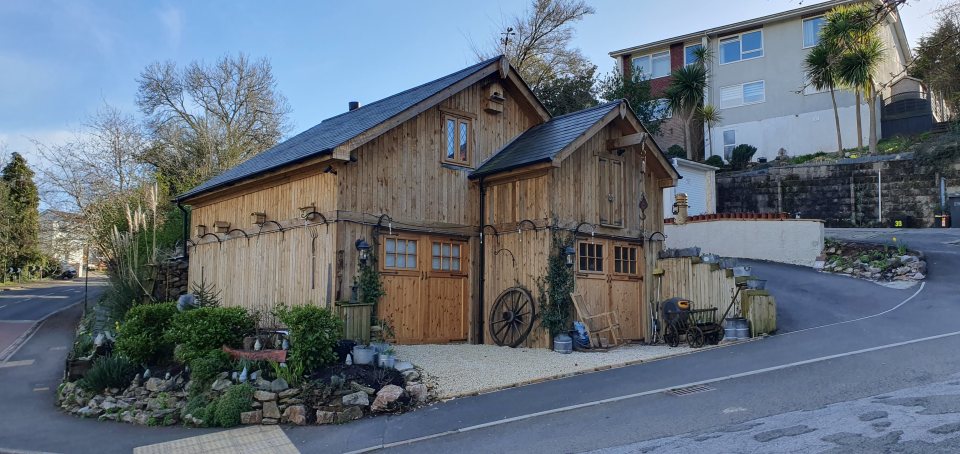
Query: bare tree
[204,119]
[538,42]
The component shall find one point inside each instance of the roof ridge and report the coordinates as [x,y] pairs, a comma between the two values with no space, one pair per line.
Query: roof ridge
[598,106]
[395,95]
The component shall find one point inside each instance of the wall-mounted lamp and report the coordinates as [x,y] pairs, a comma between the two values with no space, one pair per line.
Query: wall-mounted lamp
[201,230]
[570,254]
[330,169]
[621,151]
[258,217]
[308,212]
[364,248]
[221,227]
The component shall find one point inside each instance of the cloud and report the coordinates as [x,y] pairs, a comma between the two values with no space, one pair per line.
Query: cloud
[23,142]
[172,20]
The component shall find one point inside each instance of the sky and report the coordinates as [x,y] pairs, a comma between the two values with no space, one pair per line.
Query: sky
[61,60]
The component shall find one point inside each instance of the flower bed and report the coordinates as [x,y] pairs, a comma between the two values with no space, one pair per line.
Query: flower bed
[881,263]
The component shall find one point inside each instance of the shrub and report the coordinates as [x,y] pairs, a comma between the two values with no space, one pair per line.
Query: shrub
[741,155]
[235,400]
[108,372]
[198,331]
[676,151]
[314,331]
[715,161]
[140,337]
[205,368]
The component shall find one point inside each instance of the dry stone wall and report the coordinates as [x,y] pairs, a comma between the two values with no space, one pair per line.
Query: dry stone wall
[846,193]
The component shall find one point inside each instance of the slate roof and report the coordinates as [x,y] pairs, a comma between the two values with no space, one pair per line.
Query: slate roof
[543,142]
[334,131]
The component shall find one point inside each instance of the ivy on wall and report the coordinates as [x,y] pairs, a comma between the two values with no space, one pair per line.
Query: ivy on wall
[555,288]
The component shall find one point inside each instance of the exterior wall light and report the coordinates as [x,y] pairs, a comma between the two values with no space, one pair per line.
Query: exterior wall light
[364,248]
[570,254]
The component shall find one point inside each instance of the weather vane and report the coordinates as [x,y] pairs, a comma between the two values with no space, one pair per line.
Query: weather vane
[506,37]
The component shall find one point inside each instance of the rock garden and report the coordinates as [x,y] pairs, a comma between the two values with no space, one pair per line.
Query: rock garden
[875,262]
[202,365]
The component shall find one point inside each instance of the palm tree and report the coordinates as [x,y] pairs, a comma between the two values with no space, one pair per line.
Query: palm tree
[852,31]
[822,76]
[685,95]
[711,116]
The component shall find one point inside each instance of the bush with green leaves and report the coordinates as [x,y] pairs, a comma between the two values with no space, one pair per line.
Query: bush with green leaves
[141,336]
[314,331]
[108,372]
[205,368]
[741,155]
[197,331]
[237,399]
[714,160]
[676,151]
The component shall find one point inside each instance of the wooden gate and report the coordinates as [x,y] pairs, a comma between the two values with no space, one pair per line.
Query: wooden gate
[427,288]
[610,278]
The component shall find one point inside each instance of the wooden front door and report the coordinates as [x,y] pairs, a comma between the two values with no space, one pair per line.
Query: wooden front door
[610,278]
[426,283]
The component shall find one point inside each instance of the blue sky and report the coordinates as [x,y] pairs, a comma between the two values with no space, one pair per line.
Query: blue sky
[61,60]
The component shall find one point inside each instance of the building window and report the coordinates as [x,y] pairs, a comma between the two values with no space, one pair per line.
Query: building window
[690,54]
[811,31]
[399,254]
[661,110]
[625,259]
[610,192]
[652,66]
[446,256]
[729,143]
[741,47]
[742,94]
[457,131]
[591,257]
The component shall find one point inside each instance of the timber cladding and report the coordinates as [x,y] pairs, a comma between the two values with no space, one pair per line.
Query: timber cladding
[405,187]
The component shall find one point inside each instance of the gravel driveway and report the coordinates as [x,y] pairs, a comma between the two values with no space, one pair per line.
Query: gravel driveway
[463,369]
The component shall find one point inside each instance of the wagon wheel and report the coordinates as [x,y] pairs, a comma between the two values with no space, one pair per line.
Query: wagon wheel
[511,317]
[695,337]
[671,336]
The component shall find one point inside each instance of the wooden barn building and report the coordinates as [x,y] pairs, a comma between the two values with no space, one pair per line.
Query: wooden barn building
[460,186]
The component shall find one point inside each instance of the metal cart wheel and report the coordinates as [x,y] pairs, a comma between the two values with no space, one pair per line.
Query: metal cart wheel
[671,336]
[511,317]
[695,337]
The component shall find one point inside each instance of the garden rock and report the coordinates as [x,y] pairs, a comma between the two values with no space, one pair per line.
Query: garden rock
[88,412]
[326,417]
[296,415]
[402,366]
[350,414]
[269,421]
[153,384]
[386,397]
[279,385]
[418,392]
[221,384]
[251,417]
[410,375]
[260,383]
[357,398]
[263,396]
[289,393]
[270,410]
[358,387]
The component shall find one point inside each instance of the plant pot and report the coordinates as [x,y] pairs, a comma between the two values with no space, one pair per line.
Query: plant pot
[741,271]
[562,343]
[756,284]
[363,355]
[380,347]
[388,361]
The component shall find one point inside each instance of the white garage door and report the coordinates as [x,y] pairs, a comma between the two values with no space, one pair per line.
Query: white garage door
[694,184]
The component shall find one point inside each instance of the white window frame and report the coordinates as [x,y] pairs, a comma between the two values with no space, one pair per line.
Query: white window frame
[685,62]
[723,140]
[649,58]
[803,38]
[743,101]
[739,38]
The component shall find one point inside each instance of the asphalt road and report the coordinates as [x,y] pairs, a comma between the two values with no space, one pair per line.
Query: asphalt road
[844,345]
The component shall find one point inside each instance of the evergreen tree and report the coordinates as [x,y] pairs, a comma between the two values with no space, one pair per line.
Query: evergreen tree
[21,231]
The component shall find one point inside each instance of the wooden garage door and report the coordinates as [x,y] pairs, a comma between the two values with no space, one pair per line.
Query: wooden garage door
[609,276]
[426,283]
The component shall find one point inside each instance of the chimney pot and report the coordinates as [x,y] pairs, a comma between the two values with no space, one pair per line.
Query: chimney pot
[354,105]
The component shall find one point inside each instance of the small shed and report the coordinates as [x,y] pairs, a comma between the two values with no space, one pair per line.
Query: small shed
[698,181]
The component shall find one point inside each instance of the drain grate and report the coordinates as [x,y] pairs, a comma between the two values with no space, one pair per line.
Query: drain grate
[695,389]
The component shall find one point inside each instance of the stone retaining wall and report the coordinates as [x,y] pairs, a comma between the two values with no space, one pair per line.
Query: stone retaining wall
[170,280]
[845,193]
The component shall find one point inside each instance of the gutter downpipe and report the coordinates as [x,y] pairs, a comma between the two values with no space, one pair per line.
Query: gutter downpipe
[186,229]
[482,264]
